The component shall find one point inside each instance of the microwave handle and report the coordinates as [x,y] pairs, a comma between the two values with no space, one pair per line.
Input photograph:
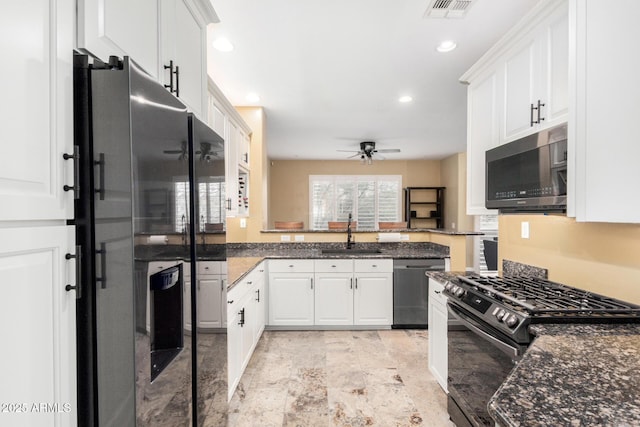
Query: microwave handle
[512,351]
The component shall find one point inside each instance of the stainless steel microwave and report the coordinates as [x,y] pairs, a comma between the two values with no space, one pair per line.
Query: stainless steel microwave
[529,174]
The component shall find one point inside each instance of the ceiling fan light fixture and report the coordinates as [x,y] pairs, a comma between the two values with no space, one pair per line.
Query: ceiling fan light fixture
[446,46]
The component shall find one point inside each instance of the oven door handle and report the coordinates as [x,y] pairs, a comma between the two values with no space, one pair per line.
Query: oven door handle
[512,351]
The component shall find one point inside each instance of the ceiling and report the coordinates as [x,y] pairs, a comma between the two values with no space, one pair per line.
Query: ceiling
[329,73]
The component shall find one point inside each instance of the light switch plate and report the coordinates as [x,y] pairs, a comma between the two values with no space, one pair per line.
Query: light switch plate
[243,222]
[299,237]
[285,238]
[524,229]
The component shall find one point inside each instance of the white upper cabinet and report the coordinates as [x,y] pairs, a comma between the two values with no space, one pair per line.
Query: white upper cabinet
[183,50]
[120,27]
[483,110]
[603,132]
[228,123]
[37,111]
[536,77]
[519,87]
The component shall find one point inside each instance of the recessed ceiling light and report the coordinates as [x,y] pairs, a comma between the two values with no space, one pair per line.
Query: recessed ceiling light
[446,46]
[223,44]
[252,97]
[405,99]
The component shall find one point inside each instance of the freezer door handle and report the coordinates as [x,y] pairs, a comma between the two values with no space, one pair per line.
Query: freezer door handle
[100,164]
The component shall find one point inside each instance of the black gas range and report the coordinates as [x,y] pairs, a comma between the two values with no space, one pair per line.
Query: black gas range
[495,314]
[511,304]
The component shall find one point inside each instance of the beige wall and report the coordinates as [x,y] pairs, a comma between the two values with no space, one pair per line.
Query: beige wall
[289,186]
[258,181]
[453,176]
[603,258]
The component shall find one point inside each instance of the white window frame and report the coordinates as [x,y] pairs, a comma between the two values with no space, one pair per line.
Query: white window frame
[355,179]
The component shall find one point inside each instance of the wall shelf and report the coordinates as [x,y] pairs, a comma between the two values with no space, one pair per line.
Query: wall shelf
[424,207]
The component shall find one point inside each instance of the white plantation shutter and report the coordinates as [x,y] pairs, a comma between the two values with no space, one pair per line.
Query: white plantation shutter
[322,203]
[369,199]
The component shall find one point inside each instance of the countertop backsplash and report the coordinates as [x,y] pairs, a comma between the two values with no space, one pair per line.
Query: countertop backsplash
[513,269]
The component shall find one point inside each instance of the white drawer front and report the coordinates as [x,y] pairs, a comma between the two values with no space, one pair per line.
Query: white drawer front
[374,265]
[435,292]
[334,265]
[291,266]
[209,267]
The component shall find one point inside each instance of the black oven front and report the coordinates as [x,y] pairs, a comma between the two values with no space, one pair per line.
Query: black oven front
[480,358]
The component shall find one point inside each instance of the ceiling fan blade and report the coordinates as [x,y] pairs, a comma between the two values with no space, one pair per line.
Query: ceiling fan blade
[377,156]
[355,155]
[349,151]
[388,150]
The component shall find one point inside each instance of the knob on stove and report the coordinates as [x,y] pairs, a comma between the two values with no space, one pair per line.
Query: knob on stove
[459,292]
[511,321]
[501,314]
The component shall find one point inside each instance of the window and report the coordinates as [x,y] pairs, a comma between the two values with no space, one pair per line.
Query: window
[211,203]
[369,198]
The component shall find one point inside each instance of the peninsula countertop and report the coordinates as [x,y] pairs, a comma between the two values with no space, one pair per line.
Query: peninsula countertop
[574,375]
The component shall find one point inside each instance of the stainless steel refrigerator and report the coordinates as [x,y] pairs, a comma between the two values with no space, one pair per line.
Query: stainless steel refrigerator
[146,172]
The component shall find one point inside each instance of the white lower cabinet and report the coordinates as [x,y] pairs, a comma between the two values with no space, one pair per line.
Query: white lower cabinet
[336,292]
[291,296]
[246,320]
[210,289]
[333,296]
[38,319]
[438,318]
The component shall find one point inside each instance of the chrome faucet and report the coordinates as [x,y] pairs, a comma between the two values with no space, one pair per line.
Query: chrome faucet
[350,241]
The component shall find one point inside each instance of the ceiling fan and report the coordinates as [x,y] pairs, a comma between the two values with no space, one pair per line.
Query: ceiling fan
[368,152]
[206,151]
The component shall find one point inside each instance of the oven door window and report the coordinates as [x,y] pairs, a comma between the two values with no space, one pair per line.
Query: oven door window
[477,368]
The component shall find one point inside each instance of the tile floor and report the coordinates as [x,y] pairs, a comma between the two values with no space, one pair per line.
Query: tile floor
[339,378]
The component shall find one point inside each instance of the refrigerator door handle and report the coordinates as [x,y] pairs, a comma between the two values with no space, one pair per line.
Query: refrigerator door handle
[103,265]
[100,164]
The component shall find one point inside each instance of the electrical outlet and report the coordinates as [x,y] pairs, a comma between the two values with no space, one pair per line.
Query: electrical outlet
[299,238]
[404,237]
[285,238]
[524,229]
[243,222]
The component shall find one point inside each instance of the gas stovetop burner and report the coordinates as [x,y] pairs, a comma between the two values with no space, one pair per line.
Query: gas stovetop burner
[536,297]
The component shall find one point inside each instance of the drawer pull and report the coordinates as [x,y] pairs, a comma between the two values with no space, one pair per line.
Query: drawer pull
[230,302]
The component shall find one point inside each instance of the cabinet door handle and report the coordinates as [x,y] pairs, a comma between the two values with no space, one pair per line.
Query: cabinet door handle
[540,105]
[351,285]
[78,258]
[241,313]
[437,292]
[170,68]
[229,204]
[531,122]
[356,283]
[258,292]
[76,172]
[230,302]
[312,283]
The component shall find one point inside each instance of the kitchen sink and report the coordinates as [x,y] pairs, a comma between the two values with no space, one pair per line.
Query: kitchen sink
[350,251]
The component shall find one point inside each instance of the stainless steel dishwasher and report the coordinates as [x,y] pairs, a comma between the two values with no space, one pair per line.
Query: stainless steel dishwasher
[411,291]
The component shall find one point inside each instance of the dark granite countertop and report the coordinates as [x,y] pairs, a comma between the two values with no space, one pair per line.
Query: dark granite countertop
[571,375]
[396,250]
[243,257]
[447,231]
[574,375]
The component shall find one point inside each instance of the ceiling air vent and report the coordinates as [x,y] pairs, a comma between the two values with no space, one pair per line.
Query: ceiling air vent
[448,8]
